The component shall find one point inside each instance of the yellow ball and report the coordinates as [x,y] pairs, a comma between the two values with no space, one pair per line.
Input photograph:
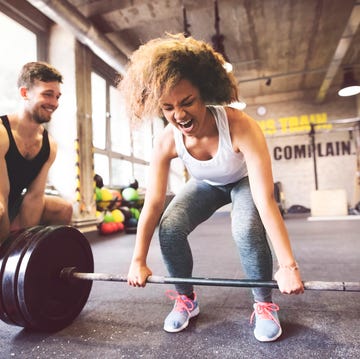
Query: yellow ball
[106,197]
[118,215]
[106,194]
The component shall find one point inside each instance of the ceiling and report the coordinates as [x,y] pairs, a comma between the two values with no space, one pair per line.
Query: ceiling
[279,49]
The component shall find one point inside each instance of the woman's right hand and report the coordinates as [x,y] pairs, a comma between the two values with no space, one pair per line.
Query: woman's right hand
[138,275]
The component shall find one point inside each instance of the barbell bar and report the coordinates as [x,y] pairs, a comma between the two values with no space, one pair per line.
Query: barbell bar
[71,273]
[46,275]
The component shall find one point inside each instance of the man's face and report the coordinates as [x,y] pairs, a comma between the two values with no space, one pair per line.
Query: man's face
[41,100]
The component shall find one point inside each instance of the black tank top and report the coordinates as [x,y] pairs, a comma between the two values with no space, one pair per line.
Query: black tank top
[21,171]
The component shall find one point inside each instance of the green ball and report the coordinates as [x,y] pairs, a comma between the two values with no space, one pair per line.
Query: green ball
[98,194]
[135,212]
[130,194]
[108,218]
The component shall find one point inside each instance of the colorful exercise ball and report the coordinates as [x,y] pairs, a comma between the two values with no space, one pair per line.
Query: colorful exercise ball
[118,216]
[130,194]
[98,194]
[106,194]
[111,227]
[116,197]
[135,212]
[108,217]
[106,197]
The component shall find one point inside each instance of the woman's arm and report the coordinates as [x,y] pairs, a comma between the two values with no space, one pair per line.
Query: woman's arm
[248,138]
[163,153]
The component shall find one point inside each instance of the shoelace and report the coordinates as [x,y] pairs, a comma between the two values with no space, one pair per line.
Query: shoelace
[264,310]
[182,301]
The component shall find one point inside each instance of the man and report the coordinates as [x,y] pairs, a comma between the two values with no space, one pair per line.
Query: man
[27,152]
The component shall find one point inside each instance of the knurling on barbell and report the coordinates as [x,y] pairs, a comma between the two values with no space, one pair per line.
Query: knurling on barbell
[46,275]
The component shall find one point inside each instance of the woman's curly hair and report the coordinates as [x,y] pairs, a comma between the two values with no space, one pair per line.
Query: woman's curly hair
[161,63]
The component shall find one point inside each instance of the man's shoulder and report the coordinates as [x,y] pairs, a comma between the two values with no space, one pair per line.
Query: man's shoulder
[3,118]
[4,139]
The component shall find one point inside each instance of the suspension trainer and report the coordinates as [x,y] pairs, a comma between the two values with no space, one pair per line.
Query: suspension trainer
[46,275]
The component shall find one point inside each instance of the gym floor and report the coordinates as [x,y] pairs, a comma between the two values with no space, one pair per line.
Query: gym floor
[123,322]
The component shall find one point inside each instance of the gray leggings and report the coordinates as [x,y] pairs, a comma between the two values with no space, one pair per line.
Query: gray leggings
[196,202]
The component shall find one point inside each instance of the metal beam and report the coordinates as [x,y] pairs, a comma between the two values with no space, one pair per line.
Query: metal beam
[340,52]
[64,14]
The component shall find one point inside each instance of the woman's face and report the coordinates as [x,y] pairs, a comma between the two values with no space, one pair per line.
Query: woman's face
[183,107]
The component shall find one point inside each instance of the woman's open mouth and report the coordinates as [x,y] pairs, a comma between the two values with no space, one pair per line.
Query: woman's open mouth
[186,124]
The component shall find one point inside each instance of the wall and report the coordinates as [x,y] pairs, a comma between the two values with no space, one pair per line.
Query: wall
[287,130]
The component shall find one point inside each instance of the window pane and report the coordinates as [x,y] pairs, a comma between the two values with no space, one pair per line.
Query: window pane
[98,98]
[101,167]
[158,126]
[121,172]
[119,124]
[17,49]
[141,174]
[142,141]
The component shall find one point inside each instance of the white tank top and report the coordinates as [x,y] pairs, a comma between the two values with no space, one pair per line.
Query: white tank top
[226,166]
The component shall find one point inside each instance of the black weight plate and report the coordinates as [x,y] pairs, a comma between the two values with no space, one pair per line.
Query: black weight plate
[49,303]
[4,250]
[11,263]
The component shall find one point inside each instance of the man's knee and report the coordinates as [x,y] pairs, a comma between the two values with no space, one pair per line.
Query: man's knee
[57,211]
[67,211]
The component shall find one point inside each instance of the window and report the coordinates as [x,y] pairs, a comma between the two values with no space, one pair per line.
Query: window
[99,112]
[119,125]
[101,165]
[121,172]
[121,152]
[142,141]
[13,58]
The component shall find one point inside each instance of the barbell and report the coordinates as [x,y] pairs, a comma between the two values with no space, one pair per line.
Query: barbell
[46,275]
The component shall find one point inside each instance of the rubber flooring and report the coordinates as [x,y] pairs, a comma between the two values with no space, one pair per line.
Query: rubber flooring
[119,321]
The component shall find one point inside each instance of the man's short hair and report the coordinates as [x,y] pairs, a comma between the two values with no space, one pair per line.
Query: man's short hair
[41,71]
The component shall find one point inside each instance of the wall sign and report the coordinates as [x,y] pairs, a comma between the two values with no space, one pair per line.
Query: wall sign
[337,148]
[295,124]
[302,124]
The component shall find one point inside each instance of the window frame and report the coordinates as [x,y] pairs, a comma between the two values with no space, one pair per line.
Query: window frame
[110,77]
[32,19]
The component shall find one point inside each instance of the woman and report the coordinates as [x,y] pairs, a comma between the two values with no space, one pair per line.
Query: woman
[224,150]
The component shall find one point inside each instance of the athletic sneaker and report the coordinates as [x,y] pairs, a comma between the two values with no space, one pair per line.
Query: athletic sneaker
[267,325]
[184,309]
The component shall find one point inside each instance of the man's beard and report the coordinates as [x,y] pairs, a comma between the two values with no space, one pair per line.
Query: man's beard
[38,118]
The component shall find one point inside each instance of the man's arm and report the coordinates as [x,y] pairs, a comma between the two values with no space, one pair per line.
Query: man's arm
[33,203]
[4,186]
